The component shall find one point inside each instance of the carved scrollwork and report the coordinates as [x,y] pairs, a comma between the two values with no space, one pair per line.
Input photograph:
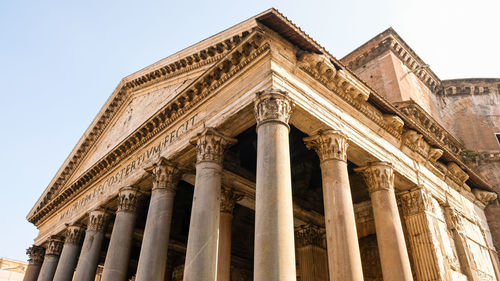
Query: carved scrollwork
[228,199]
[434,154]
[395,123]
[128,198]
[74,234]
[35,254]
[378,176]
[484,196]
[272,106]
[55,245]
[165,174]
[416,201]
[211,145]
[98,220]
[328,144]
[456,174]
[309,234]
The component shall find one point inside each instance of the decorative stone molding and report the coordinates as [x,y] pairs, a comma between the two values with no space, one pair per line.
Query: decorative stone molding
[430,128]
[309,234]
[165,174]
[378,176]
[211,145]
[454,219]
[434,154]
[228,199]
[55,245]
[74,234]
[456,174]
[328,144]
[272,105]
[394,122]
[98,220]
[245,51]
[128,199]
[35,254]
[484,196]
[416,201]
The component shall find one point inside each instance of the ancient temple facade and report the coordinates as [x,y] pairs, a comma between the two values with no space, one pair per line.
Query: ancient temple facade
[257,155]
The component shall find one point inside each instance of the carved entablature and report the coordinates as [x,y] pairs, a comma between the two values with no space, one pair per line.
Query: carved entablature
[55,245]
[211,145]
[328,144]
[128,199]
[228,199]
[456,174]
[394,122]
[249,48]
[272,105]
[480,156]
[165,174]
[35,254]
[416,201]
[378,176]
[98,220]
[74,234]
[429,127]
[484,196]
[307,235]
[417,143]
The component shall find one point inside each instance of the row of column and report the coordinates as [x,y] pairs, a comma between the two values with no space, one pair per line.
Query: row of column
[274,254]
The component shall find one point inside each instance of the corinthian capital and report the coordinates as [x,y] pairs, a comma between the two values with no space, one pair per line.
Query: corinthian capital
[128,198]
[328,144]
[98,220]
[228,199]
[35,254]
[74,234]
[416,201]
[378,176]
[309,234]
[210,145]
[272,106]
[165,173]
[55,245]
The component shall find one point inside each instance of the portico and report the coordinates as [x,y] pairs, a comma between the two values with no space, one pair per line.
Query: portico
[271,154]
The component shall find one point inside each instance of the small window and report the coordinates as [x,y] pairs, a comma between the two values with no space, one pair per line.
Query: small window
[498,137]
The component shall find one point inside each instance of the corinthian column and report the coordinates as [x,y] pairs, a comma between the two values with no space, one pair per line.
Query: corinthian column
[228,199]
[311,254]
[70,252]
[274,257]
[117,257]
[52,253]
[379,178]
[91,248]
[344,260]
[35,261]
[153,256]
[201,253]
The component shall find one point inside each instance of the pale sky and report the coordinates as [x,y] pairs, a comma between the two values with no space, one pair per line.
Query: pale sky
[60,60]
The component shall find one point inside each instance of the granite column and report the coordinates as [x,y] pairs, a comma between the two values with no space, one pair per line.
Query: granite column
[274,256]
[203,238]
[52,253]
[153,256]
[344,258]
[35,261]
[70,252]
[379,178]
[117,257]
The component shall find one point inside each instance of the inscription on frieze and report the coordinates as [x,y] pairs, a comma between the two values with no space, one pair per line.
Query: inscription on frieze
[129,167]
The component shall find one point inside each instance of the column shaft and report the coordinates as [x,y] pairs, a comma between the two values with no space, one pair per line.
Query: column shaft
[274,257]
[51,259]
[35,254]
[390,238]
[69,255]
[344,259]
[201,253]
[154,249]
[117,257]
[91,248]
[311,254]
[224,255]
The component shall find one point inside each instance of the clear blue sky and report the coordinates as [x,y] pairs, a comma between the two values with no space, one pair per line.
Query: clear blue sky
[60,60]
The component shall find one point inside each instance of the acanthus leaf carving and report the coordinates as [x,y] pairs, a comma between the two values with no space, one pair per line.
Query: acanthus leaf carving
[272,105]
[416,201]
[55,245]
[211,145]
[328,144]
[128,199]
[228,199]
[378,176]
[35,254]
[98,220]
[74,234]
[165,174]
[309,234]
